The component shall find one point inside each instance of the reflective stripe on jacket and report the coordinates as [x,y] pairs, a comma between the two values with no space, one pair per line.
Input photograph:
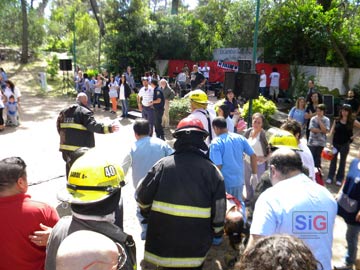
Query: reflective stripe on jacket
[183,197]
[76,126]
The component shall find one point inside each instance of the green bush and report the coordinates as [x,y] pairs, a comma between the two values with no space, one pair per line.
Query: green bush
[179,109]
[92,72]
[52,67]
[133,101]
[261,105]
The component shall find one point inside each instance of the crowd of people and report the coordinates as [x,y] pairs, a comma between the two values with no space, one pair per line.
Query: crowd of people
[191,195]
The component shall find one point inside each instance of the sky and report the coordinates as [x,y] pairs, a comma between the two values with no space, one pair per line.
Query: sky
[192,3]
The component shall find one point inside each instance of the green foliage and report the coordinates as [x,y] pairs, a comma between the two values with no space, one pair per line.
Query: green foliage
[299,84]
[53,67]
[261,105]
[179,109]
[92,72]
[133,101]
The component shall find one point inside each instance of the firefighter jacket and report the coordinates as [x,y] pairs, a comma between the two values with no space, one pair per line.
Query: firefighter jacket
[76,126]
[183,199]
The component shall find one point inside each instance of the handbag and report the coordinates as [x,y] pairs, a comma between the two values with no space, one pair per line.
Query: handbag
[346,203]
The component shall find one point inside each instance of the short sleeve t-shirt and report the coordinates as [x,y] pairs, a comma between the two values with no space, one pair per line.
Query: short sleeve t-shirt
[262,80]
[21,216]
[147,95]
[299,207]
[275,79]
[318,139]
[298,115]
[227,150]
[159,94]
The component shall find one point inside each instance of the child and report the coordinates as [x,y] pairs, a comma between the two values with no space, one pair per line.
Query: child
[224,111]
[12,112]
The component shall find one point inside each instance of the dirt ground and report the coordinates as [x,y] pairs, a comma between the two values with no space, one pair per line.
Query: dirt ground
[36,140]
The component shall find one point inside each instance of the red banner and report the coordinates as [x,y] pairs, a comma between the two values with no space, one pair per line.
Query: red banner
[218,69]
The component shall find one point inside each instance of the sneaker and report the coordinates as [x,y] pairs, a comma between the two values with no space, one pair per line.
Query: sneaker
[328,181]
[338,183]
[344,267]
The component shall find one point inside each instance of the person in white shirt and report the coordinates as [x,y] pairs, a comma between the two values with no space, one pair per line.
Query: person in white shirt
[199,110]
[206,72]
[297,206]
[274,84]
[262,84]
[145,101]
[307,159]
[11,90]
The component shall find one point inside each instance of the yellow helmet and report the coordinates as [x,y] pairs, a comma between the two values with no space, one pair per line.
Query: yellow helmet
[198,96]
[283,138]
[92,179]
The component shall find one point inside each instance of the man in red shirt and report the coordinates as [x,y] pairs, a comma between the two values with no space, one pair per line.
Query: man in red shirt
[20,218]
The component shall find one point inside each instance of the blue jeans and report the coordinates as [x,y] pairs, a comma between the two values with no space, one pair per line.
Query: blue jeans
[96,100]
[125,107]
[343,150]
[316,153]
[352,237]
[143,224]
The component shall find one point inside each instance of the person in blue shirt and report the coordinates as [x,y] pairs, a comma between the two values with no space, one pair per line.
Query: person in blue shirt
[297,112]
[351,187]
[12,112]
[144,153]
[226,151]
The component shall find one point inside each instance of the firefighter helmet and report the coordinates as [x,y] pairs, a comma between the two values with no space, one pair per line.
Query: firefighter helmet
[198,96]
[284,138]
[92,179]
[188,125]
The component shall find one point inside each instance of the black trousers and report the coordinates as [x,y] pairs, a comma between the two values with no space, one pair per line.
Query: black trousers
[158,114]
[106,98]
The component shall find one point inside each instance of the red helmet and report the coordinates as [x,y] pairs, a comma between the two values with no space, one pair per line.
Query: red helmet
[189,124]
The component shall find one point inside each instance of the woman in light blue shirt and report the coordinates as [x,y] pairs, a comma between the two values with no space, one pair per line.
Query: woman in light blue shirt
[297,112]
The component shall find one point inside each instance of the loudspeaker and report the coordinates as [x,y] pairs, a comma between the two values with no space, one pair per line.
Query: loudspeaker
[328,100]
[248,84]
[65,64]
[229,82]
[244,65]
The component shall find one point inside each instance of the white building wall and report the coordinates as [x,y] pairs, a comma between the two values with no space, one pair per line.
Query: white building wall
[331,77]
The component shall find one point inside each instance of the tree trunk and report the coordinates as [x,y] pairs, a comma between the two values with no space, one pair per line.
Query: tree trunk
[343,59]
[98,18]
[41,8]
[175,7]
[25,34]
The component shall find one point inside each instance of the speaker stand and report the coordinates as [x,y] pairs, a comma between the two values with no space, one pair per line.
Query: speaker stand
[66,83]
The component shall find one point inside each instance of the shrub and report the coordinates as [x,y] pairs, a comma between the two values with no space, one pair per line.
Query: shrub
[92,72]
[261,105]
[179,109]
[52,67]
[133,101]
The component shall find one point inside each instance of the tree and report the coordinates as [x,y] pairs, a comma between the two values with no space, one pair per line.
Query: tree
[25,33]
[174,7]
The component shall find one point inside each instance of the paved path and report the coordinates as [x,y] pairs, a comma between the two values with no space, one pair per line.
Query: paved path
[36,141]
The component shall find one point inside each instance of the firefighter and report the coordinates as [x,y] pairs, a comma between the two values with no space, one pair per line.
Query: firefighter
[93,191]
[199,109]
[76,126]
[183,198]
